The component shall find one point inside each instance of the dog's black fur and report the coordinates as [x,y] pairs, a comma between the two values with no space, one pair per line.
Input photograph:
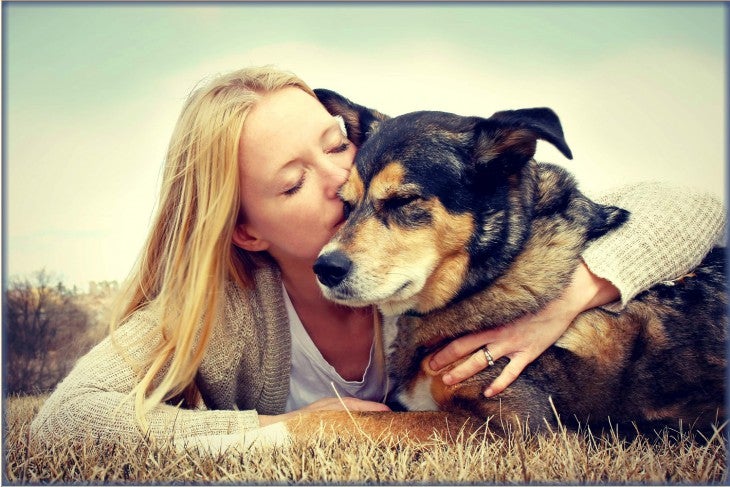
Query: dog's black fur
[431,176]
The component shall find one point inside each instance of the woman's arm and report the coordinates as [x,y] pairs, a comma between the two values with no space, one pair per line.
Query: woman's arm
[669,232]
[523,340]
[94,400]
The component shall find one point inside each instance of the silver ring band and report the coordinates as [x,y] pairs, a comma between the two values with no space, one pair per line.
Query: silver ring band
[487,355]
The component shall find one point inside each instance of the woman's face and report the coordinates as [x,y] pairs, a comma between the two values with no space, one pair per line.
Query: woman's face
[293,157]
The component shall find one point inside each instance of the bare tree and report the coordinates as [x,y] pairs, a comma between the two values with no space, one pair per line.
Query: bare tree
[45,331]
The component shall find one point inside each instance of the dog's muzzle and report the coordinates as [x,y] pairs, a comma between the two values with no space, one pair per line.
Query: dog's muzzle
[332,268]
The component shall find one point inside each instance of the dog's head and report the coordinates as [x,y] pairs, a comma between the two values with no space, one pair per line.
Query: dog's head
[429,193]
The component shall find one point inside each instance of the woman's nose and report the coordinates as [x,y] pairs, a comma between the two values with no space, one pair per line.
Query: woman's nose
[334,177]
[335,181]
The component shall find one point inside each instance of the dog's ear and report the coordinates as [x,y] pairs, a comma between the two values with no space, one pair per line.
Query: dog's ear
[361,122]
[507,140]
[605,218]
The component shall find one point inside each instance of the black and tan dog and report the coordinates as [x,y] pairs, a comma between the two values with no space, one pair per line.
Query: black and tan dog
[453,225]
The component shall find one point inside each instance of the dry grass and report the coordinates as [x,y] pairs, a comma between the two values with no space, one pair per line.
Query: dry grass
[562,457]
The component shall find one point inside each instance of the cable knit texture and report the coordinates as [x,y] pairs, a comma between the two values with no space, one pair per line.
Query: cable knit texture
[246,367]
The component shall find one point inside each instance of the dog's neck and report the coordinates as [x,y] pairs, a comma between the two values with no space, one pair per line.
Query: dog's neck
[520,291]
[540,270]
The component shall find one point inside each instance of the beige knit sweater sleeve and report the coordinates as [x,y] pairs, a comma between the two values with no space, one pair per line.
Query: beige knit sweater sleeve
[669,232]
[94,400]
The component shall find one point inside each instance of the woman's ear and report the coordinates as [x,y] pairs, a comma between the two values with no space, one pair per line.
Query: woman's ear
[247,240]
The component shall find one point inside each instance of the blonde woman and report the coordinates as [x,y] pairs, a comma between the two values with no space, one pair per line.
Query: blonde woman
[222,328]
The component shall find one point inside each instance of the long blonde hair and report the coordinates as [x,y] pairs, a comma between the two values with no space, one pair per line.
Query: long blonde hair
[189,254]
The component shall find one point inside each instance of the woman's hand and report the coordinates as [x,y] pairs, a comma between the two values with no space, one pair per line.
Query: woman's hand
[327,404]
[351,403]
[523,340]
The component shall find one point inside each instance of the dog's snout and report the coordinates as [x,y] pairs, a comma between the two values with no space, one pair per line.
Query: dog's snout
[331,268]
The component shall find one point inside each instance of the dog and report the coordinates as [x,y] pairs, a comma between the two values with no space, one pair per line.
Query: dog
[454,226]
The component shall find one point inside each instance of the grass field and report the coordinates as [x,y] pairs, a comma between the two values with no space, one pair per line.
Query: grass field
[558,457]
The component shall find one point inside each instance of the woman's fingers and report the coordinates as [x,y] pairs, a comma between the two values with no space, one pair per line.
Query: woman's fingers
[351,403]
[459,348]
[510,372]
[476,362]
[355,404]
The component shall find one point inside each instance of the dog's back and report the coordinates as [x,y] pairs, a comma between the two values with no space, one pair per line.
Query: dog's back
[668,349]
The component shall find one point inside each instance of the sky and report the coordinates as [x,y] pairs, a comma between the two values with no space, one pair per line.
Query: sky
[91,92]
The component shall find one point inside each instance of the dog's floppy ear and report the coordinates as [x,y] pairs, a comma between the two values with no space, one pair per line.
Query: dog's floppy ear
[507,140]
[361,122]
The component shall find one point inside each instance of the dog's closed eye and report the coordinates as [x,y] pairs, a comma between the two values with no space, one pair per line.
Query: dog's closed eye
[399,201]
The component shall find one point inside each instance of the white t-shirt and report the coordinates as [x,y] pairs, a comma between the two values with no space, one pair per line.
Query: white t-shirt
[312,377]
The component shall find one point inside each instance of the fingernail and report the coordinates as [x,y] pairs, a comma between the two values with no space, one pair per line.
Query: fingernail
[489,392]
[432,364]
[447,379]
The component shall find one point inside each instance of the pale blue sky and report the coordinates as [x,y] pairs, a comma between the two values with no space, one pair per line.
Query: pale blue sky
[92,91]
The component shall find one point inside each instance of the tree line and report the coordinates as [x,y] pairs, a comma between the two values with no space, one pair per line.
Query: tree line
[46,328]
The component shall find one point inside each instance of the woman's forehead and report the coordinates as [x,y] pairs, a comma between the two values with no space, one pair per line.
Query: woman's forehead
[288,103]
[281,125]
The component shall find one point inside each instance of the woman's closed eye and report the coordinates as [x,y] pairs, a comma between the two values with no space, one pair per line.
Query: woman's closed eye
[293,189]
[340,148]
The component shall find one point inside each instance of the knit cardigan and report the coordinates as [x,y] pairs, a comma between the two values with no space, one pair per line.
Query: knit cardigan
[246,366]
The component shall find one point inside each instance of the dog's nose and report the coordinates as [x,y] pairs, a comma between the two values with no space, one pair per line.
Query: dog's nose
[332,268]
